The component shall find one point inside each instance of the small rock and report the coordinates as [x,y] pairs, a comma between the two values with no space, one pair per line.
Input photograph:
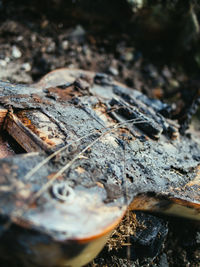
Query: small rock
[51,46]
[198,238]
[44,23]
[151,70]
[7,59]
[103,79]
[65,45]
[79,49]
[78,31]
[20,38]
[3,63]
[163,261]
[166,73]
[136,4]
[26,66]
[78,34]
[87,52]
[160,81]
[173,83]
[33,38]
[71,66]
[113,71]
[129,56]
[16,53]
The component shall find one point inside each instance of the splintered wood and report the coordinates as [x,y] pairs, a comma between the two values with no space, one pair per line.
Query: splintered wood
[3,113]
[95,148]
[5,148]
[33,130]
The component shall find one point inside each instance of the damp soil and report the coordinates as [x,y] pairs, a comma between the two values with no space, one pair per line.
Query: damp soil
[41,36]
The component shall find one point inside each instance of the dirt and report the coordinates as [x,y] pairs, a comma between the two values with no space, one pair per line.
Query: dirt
[181,247]
[36,38]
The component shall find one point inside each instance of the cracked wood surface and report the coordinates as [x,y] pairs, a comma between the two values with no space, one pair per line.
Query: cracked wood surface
[120,150]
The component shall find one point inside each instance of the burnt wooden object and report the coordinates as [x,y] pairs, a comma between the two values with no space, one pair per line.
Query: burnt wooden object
[115,150]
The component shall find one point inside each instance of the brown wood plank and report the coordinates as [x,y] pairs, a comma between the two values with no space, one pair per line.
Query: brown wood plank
[3,113]
[24,137]
[33,130]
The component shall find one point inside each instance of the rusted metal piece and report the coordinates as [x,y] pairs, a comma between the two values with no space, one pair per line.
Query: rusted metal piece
[115,149]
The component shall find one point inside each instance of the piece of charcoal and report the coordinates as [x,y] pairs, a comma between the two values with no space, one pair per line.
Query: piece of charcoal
[149,237]
[146,241]
[137,97]
[152,108]
[103,79]
[149,126]
[185,121]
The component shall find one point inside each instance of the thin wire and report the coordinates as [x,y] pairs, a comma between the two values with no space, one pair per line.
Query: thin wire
[68,165]
[19,213]
[128,251]
[38,166]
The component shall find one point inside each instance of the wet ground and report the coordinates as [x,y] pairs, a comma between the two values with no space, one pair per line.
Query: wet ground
[36,38]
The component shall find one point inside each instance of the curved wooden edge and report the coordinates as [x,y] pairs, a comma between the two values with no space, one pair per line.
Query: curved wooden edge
[105,231]
[61,76]
[84,250]
[66,75]
[167,205]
